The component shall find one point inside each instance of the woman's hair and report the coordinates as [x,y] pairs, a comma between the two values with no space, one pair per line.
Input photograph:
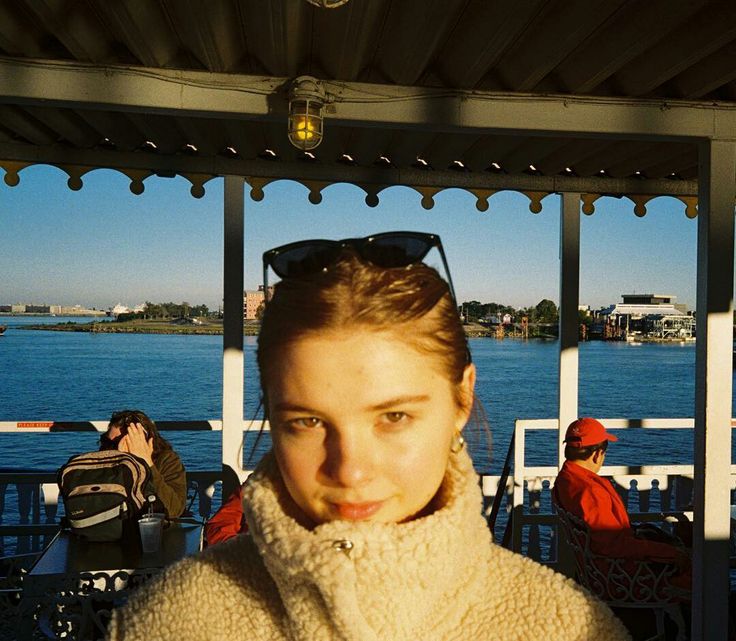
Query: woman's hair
[124,418]
[355,293]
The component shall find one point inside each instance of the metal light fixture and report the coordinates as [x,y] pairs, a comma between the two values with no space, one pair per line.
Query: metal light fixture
[306,100]
[327,4]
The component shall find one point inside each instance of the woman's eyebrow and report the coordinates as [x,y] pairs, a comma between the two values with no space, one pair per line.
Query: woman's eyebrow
[285,406]
[400,400]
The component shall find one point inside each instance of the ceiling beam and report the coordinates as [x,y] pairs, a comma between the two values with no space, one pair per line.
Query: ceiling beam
[708,75]
[137,89]
[628,33]
[204,94]
[558,30]
[702,35]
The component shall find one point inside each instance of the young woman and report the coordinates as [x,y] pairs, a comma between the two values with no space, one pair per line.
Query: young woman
[365,521]
[134,432]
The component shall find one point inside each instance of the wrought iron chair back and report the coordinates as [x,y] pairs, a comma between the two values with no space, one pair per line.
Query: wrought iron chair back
[624,583]
[12,571]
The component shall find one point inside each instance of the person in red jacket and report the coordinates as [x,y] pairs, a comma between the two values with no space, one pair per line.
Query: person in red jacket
[582,492]
[228,521]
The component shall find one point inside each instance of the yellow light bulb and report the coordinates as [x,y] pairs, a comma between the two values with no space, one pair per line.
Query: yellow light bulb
[305,129]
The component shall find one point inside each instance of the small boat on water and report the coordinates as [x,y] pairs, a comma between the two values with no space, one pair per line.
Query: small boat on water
[2,329]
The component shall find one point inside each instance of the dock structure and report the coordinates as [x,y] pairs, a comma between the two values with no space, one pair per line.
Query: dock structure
[575,99]
[672,327]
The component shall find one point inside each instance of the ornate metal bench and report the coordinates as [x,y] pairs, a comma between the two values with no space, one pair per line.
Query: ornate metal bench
[625,583]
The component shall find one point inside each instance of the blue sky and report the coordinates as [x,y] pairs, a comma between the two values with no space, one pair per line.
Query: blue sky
[103,245]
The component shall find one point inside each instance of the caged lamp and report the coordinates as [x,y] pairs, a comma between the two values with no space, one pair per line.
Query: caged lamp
[306,101]
[327,4]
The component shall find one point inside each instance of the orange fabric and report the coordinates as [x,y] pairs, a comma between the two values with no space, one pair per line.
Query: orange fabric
[227,522]
[594,500]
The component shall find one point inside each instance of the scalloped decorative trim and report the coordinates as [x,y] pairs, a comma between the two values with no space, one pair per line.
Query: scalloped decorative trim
[137,178]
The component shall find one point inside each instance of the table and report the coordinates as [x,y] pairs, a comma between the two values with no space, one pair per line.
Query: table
[72,588]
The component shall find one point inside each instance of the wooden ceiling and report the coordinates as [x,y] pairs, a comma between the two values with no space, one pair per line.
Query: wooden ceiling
[631,49]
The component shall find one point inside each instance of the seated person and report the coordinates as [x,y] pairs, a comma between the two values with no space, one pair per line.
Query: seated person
[580,491]
[228,521]
[134,432]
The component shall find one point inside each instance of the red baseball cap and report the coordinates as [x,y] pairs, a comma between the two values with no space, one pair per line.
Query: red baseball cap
[587,431]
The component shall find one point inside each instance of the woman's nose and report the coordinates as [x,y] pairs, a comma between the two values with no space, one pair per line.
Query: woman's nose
[350,459]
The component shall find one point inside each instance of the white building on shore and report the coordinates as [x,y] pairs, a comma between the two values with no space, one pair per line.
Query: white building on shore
[653,315]
[124,309]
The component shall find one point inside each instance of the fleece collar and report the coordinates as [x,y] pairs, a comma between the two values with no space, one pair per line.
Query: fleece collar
[370,581]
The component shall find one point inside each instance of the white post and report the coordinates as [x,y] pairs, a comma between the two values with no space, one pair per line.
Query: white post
[517,513]
[569,301]
[713,383]
[232,344]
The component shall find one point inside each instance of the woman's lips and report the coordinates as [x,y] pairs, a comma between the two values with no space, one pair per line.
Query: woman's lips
[357,511]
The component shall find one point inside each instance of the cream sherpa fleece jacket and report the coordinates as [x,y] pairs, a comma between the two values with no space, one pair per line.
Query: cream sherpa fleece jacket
[435,578]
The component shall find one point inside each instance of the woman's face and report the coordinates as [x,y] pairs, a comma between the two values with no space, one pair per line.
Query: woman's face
[362,425]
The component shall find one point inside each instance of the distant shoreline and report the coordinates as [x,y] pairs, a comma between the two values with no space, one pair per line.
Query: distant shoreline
[207,328]
[142,327]
[48,315]
[250,328]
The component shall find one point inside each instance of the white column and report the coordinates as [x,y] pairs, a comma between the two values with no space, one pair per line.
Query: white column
[232,344]
[713,376]
[569,301]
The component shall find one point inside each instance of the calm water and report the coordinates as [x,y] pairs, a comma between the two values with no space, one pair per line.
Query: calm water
[48,375]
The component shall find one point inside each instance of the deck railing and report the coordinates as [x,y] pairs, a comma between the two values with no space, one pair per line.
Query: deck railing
[32,496]
[523,503]
[648,491]
[35,495]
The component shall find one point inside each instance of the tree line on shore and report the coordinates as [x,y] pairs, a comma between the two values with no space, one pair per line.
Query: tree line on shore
[166,310]
[545,311]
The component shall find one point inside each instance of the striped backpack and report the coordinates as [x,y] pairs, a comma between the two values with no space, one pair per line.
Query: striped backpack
[103,491]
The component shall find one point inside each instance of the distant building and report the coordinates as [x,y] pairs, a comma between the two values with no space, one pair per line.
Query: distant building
[78,310]
[654,315]
[252,300]
[74,310]
[638,306]
[653,299]
[496,319]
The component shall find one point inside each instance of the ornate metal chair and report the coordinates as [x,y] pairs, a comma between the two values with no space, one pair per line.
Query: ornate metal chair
[625,583]
[12,571]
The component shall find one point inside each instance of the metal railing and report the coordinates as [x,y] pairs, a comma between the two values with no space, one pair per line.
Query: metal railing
[37,503]
[649,491]
[516,502]
[32,496]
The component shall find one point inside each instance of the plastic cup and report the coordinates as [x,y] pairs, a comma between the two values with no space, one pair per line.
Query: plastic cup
[151,527]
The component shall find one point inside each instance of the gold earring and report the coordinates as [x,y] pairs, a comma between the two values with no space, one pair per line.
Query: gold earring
[458,443]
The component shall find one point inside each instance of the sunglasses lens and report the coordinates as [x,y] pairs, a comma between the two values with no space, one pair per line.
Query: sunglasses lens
[107,443]
[396,251]
[305,259]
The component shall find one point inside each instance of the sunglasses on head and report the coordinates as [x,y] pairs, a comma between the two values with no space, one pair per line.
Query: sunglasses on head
[107,443]
[390,249]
